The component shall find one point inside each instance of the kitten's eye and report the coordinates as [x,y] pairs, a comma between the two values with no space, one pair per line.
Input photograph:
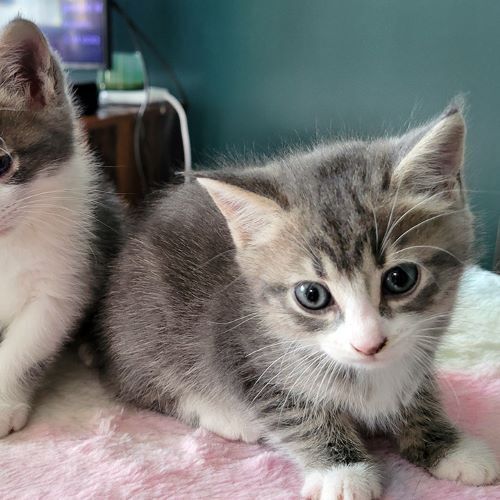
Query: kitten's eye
[5,163]
[312,295]
[400,279]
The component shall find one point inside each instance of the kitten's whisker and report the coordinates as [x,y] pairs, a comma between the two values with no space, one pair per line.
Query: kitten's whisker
[421,202]
[454,393]
[425,222]
[432,329]
[30,209]
[299,348]
[317,371]
[38,221]
[229,250]
[318,393]
[431,276]
[6,152]
[431,247]
[232,321]
[388,229]
[432,342]
[295,351]
[43,194]
[75,223]
[336,369]
[230,284]
[68,209]
[241,323]
[422,358]
[306,362]
[376,227]
[70,191]
[264,372]
[415,327]
[437,317]
[31,217]
[270,345]
[305,244]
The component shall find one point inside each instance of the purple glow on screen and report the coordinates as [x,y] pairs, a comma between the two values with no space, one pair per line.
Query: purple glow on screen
[77,29]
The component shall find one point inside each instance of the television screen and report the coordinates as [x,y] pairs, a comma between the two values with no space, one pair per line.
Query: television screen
[77,29]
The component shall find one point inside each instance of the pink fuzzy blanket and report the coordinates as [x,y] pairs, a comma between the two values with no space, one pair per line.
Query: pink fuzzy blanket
[80,444]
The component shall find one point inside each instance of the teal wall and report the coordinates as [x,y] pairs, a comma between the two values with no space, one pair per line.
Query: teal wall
[263,73]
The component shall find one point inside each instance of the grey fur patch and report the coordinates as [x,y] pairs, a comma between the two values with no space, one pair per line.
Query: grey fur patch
[423,300]
[425,434]
[40,143]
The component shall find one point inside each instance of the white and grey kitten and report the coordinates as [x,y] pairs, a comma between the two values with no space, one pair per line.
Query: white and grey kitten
[301,303]
[58,226]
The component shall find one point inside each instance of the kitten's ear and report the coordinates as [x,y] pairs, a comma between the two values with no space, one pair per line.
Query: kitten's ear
[25,63]
[433,155]
[251,218]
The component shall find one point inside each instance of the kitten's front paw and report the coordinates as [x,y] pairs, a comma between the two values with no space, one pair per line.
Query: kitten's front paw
[359,481]
[13,416]
[470,462]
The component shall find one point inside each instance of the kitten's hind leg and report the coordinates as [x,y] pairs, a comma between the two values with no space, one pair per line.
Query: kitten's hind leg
[227,419]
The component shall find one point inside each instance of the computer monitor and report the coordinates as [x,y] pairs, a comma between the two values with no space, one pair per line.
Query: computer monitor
[77,29]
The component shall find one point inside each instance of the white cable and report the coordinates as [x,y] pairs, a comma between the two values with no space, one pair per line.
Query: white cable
[139,123]
[186,143]
[152,95]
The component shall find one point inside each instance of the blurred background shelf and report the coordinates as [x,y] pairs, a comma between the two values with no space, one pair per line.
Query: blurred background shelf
[111,134]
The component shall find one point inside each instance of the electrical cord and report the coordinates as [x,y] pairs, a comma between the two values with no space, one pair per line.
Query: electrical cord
[139,124]
[167,96]
[181,113]
[141,170]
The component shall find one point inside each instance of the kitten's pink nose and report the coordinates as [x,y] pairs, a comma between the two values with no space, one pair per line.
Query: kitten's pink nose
[369,349]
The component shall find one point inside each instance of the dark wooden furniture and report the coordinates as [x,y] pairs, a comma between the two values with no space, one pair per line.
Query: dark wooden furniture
[111,136]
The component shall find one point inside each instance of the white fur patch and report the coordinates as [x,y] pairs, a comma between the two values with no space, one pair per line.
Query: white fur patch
[347,482]
[471,462]
[46,283]
[13,416]
[226,420]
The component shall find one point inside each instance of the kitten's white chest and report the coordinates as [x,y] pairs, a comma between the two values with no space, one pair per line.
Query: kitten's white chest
[24,271]
[380,395]
[47,255]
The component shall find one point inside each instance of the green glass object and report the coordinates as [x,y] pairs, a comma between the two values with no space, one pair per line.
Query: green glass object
[126,73]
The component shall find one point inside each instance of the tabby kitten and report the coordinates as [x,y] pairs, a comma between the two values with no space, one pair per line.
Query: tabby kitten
[301,303]
[58,226]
